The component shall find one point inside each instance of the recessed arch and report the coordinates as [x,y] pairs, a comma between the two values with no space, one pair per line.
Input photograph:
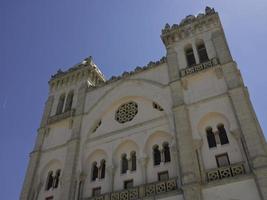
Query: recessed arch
[211,120]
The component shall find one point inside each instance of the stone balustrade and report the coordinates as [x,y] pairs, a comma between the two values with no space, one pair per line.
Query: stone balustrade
[225,172]
[139,192]
[200,67]
[61,116]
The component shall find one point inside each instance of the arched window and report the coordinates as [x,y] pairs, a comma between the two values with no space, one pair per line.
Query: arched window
[94,171]
[190,58]
[156,155]
[56,179]
[166,152]
[49,181]
[103,169]
[60,104]
[133,159]
[211,137]
[202,52]
[222,134]
[69,101]
[124,164]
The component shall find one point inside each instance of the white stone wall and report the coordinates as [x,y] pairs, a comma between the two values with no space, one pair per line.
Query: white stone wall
[242,190]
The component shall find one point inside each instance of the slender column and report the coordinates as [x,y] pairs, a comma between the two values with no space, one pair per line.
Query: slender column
[143,164]
[195,53]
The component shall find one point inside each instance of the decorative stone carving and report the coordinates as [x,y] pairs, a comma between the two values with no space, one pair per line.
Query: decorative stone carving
[126,112]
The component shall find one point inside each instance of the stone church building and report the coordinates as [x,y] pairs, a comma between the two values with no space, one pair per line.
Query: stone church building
[181,128]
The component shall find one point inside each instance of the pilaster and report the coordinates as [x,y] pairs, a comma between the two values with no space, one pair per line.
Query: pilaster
[69,171]
[173,66]
[111,173]
[143,164]
[221,47]
[253,136]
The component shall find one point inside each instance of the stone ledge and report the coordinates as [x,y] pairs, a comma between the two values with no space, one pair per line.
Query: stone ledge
[59,117]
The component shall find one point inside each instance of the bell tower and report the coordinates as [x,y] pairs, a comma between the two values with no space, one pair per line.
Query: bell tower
[194,47]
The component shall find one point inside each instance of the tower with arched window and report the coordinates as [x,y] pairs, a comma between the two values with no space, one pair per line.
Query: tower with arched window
[182,127]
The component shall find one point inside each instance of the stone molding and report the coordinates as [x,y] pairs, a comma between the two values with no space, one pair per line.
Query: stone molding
[59,117]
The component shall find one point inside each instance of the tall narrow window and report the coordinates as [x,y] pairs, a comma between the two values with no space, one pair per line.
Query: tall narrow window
[124,164]
[211,137]
[156,155]
[190,57]
[69,101]
[166,151]
[222,134]
[133,159]
[56,179]
[103,169]
[60,104]
[202,53]
[94,171]
[49,181]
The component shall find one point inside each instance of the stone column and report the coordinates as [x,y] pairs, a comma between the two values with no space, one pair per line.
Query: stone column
[69,171]
[143,164]
[195,53]
[111,174]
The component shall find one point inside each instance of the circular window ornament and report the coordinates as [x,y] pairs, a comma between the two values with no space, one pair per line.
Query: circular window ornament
[126,112]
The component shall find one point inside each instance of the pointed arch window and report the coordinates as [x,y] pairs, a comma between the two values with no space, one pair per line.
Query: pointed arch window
[56,178]
[211,137]
[94,171]
[133,161]
[102,169]
[69,101]
[202,52]
[190,58]
[49,180]
[222,134]
[60,104]
[156,155]
[124,164]
[166,152]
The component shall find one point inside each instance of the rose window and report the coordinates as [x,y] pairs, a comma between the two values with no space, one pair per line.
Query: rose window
[126,112]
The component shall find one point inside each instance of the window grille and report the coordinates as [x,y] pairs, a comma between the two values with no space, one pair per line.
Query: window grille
[126,112]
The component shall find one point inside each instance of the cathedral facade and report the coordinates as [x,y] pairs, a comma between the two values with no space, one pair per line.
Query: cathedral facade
[179,128]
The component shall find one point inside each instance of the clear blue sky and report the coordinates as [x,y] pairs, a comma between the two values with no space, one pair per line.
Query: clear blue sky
[39,36]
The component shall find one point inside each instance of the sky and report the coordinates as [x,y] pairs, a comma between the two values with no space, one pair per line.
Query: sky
[37,37]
